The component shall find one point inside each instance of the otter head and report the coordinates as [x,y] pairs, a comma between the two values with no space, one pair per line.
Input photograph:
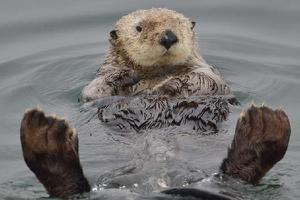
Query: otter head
[154,37]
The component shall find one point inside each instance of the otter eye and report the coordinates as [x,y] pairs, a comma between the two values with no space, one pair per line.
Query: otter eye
[193,25]
[113,34]
[138,28]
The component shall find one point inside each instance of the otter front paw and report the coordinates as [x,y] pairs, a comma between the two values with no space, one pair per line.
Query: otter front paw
[166,89]
[261,140]
[50,149]
[170,87]
[124,78]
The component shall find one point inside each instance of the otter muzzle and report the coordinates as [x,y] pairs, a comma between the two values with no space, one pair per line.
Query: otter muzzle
[168,39]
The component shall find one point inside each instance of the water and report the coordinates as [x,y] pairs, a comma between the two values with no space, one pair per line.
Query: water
[49,50]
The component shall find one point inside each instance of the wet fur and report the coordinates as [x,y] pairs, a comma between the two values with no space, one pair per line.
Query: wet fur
[201,113]
[260,141]
[50,150]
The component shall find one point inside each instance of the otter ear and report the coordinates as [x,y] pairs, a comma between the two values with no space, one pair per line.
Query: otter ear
[193,25]
[113,34]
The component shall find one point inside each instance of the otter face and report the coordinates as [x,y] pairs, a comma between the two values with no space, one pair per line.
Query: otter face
[154,37]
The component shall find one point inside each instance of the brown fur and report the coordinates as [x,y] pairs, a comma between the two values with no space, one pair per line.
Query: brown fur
[261,140]
[50,149]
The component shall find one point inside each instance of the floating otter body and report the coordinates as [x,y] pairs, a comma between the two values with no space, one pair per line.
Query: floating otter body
[154,52]
[152,59]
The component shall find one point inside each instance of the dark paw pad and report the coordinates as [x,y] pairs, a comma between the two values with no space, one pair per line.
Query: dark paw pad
[262,125]
[50,149]
[41,134]
[261,140]
[125,78]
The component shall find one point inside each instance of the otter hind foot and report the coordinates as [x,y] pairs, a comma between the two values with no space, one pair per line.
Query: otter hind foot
[261,140]
[50,149]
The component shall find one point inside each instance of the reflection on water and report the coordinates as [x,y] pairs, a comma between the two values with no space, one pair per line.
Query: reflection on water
[50,51]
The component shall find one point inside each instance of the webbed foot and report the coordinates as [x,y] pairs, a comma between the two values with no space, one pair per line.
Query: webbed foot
[50,149]
[261,140]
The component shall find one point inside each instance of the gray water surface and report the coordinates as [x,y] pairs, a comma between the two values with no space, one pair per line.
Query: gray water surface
[49,50]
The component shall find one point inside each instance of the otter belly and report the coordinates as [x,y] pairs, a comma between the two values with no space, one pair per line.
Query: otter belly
[145,112]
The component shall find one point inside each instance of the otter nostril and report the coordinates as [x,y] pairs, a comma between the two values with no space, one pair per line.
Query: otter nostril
[168,39]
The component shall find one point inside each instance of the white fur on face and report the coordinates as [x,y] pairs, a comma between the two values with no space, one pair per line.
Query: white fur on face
[150,55]
[144,48]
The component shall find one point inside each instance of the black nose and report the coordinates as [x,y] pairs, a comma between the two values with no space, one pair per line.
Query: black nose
[168,39]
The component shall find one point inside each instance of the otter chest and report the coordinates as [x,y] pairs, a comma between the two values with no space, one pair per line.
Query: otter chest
[146,84]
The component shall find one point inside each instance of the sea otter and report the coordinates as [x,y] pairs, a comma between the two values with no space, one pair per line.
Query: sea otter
[153,63]
[154,52]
